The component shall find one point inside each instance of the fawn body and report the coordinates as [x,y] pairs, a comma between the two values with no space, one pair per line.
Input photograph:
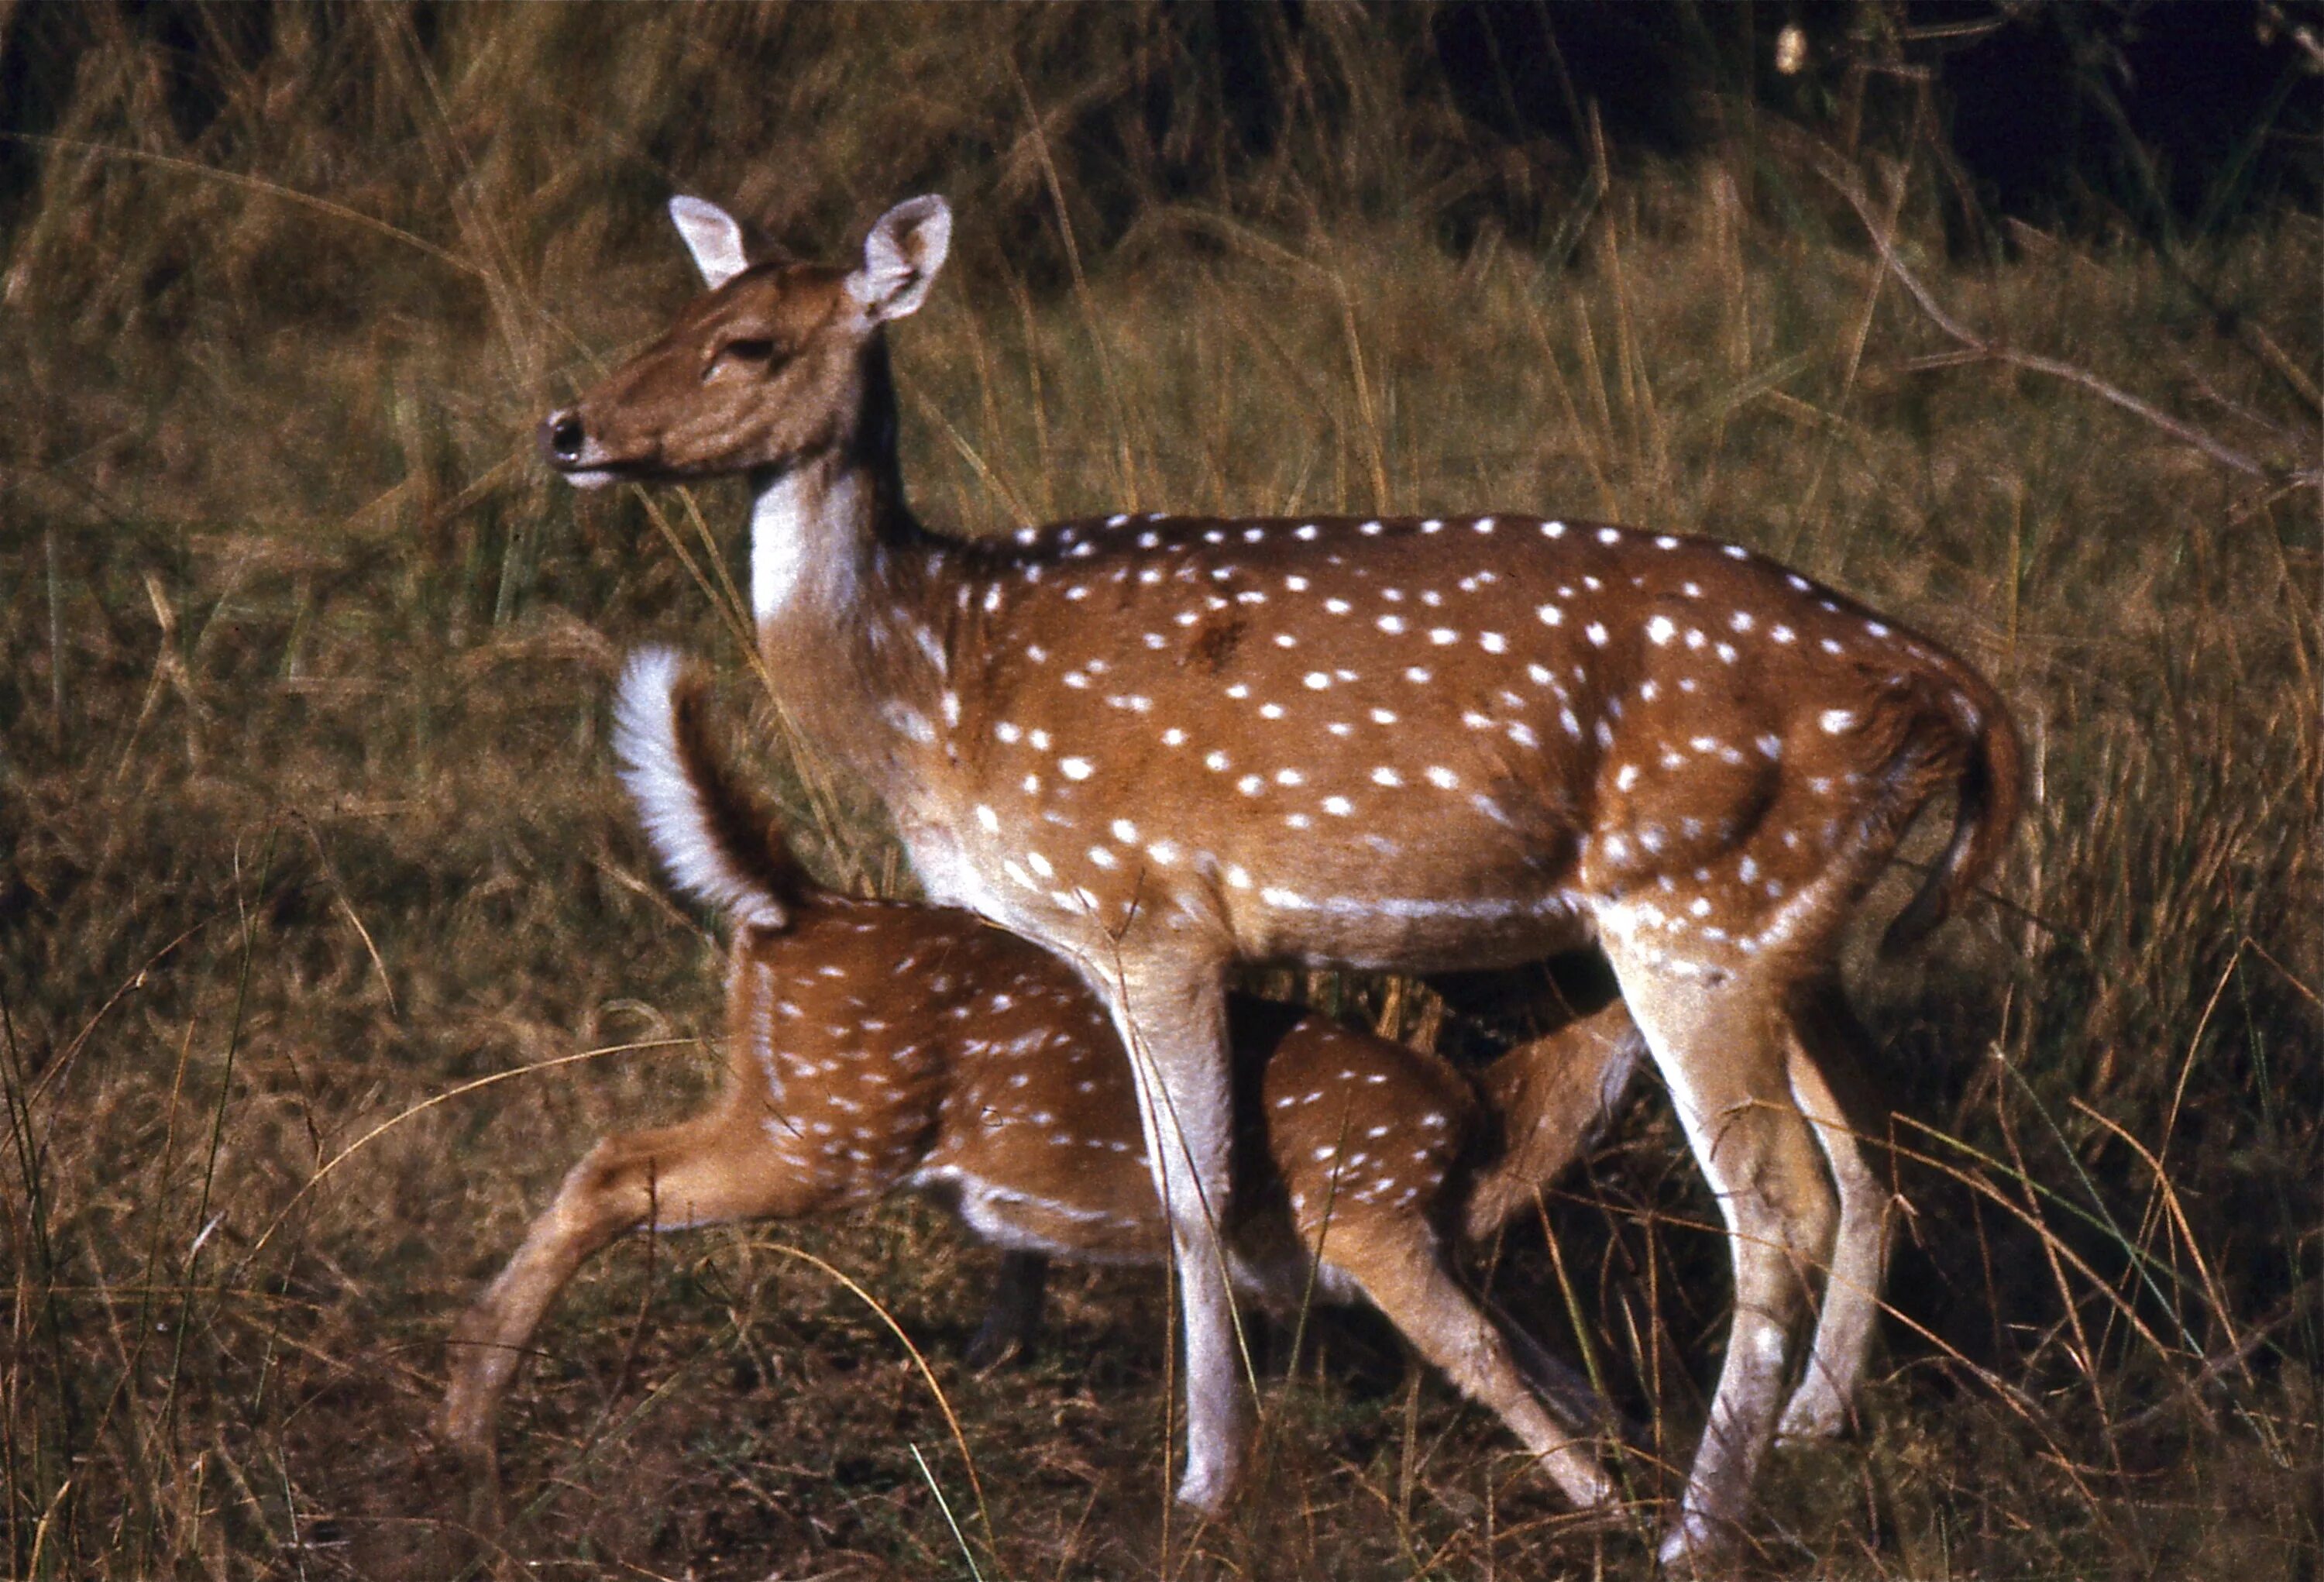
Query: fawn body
[876,1045]
[1162,744]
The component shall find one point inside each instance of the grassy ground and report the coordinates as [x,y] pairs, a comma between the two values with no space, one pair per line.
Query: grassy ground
[326,943]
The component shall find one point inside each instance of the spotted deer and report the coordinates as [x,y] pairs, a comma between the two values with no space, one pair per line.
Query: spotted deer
[877,1045]
[1161,745]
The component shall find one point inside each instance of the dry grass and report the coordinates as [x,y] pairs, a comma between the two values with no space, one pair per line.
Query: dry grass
[306,832]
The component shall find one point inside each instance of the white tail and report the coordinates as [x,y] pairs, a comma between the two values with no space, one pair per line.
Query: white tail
[1160,744]
[682,813]
[877,1045]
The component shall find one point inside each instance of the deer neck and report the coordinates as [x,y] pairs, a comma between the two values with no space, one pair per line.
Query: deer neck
[820,520]
[1554,1096]
[810,525]
[838,564]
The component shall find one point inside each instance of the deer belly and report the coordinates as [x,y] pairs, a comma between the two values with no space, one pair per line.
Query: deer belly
[1457,889]
[1265,1264]
[1473,884]
[1393,915]
[1120,1227]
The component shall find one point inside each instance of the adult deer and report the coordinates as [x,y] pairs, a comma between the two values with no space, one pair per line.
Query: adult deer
[876,1045]
[1163,744]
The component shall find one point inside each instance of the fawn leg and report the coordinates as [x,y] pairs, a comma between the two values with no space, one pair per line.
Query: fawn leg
[1404,1275]
[700,1172]
[1013,1321]
[1570,1396]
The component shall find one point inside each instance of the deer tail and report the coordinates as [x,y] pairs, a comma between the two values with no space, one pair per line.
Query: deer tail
[714,839]
[1986,793]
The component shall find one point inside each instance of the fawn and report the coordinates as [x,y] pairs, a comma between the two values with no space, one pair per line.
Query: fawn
[877,1045]
[1160,745]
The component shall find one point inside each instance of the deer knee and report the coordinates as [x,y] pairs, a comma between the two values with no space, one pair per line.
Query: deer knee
[1809,1209]
[1860,1192]
[609,1190]
[1787,1215]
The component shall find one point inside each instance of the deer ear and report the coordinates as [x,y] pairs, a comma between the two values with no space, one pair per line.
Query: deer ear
[713,237]
[901,257]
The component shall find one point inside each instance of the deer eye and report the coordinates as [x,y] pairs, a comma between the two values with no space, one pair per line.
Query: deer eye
[755,350]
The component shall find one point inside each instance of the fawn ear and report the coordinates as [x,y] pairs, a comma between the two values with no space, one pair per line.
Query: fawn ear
[901,257]
[713,237]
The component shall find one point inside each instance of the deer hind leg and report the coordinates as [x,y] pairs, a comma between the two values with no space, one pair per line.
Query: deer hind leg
[1173,1023]
[1013,1321]
[693,1174]
[1721,1042]
[1822,1404]
[1403,1274]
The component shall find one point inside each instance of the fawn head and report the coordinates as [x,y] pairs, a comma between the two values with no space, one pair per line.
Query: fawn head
[776,362]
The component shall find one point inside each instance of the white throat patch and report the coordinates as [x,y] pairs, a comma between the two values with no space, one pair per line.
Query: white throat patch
[793,520]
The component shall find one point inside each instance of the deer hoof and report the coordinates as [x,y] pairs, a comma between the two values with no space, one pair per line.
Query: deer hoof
[995,1345]
[1810,1419]
[1701,1545]
[1206,1488]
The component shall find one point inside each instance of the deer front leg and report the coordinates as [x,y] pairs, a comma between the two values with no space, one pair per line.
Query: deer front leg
[1173,1023]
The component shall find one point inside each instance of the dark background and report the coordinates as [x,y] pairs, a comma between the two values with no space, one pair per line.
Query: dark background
[2154,118]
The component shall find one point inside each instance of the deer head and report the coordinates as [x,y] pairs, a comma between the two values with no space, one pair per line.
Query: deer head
[771,364]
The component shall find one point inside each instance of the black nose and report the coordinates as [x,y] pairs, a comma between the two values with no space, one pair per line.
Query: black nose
[562,437]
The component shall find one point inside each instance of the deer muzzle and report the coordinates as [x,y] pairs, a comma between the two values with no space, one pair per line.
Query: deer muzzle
[578,456]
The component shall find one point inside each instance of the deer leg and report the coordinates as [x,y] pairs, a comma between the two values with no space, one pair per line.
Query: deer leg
[1720,1044]
[1404,1277]
[680,1176]
[1821,1403]
[1174,1025]
[1014,1318]
[1568,1392]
